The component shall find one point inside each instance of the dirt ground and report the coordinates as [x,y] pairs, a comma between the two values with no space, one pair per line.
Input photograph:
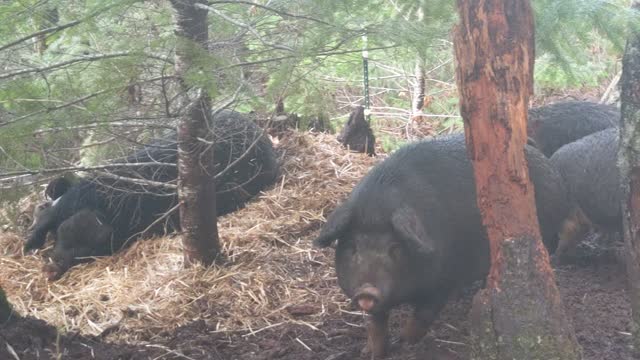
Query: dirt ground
[593,289]
[163,311]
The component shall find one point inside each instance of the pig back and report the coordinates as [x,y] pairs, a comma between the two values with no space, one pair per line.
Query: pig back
[435,177]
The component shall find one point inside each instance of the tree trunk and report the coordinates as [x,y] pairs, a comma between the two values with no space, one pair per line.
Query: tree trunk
[519,314]
[419,88]
[629,163]
[196,188]
[5,308]
[48,18]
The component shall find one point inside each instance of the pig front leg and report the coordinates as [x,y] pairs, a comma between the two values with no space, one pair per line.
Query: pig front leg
[44,221]
[377,335]
[423,315]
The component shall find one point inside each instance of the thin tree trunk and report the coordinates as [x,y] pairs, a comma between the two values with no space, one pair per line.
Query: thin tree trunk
[629,163]
[48,18]
[419,88]
[5,308]
[196,188]
[519,314]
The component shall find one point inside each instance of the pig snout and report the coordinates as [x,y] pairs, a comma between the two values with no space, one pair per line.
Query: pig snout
[53,271]
[367,297]
[57,266]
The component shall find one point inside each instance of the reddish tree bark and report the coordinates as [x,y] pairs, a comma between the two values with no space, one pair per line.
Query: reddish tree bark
[196,188]
[519,314]
[629,163]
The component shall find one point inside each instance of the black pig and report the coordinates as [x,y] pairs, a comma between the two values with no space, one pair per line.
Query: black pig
[588,167]
[357,134]
[245,163]
[86,233]
[57,187]
[411,232]
[552,126]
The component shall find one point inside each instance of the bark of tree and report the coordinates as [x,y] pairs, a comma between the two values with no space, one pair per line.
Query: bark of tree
[5,308]
[419,88]
[48,18]
[519,315]
[196,187]
[629,164]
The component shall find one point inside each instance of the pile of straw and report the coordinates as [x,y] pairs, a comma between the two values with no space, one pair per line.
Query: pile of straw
[271,275]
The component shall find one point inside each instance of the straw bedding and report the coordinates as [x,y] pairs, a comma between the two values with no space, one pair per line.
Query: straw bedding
[270,276]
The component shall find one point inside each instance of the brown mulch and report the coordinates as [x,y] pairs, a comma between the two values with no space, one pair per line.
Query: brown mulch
[274,298]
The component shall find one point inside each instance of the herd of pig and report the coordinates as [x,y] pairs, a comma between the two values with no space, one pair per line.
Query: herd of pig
[409,233]
[98,215]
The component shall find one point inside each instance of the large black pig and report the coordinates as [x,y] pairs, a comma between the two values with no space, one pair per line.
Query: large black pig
[57,187]
[588,167]
[552,126]
[73,234]
[411,232]
[245,163]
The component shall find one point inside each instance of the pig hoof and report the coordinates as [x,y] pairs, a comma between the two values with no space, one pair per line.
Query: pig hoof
[378,352]
[412,332]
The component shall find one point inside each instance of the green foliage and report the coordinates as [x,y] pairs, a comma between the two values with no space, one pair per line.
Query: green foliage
[587,73]
[306,52]
[566,32]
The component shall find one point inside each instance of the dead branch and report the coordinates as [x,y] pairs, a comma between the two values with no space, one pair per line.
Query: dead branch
[83,168]
[140,181]
[164,216]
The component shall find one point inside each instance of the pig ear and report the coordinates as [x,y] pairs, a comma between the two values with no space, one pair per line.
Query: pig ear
[406,222]
[336,225]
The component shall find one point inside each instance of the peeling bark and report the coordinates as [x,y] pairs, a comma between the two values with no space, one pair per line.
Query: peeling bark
[196,187]
[519,315]
[629,165]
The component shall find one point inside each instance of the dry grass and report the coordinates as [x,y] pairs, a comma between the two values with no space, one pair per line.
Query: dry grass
[271,277]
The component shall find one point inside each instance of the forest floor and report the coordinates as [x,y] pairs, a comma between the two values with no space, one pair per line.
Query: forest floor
[274,298]
[593,291]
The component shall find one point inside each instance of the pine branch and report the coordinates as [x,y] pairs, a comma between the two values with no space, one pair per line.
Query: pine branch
[52,30]
[324,53]
[268,8]
[46,110]
[244,26]
[73,102]
[63,64]
[77,60]
[120,124]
